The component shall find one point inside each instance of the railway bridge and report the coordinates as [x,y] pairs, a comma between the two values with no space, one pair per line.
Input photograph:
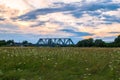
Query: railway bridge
[54,42]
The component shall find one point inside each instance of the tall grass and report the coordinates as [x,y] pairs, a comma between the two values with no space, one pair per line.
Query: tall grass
[59,63]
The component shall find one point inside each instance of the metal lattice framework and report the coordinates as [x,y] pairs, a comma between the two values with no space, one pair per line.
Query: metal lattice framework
[55,42]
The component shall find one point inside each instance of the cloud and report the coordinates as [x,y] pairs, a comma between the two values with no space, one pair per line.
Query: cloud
[66,1]
[15,4]
[8,26]
[36,4]
[7,13]
[103,30]
[75,33]
[60,18]
[74,9]
[116,1]
[45,11]
[2,19]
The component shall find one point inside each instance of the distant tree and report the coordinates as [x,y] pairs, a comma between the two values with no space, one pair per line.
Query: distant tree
[109,44]
[99,43]
[86,43]
[2,43]
[117,42]
[10,42]
[25,43]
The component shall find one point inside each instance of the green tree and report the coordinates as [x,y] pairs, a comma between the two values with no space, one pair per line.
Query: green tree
[99,43]
[25,43]
[117,41]
[10,42]
[2,43]
[86,43]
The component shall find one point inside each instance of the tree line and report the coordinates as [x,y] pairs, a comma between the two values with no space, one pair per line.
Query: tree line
[13,43]
[98,43]
[83,43]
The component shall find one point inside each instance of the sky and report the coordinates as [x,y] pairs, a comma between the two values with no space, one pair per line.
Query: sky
[77,19]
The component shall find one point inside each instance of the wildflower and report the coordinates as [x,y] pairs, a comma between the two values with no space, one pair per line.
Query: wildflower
[89,74]
[87,69]
[48,59]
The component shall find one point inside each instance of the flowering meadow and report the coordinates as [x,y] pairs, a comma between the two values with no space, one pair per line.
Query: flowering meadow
[60,63]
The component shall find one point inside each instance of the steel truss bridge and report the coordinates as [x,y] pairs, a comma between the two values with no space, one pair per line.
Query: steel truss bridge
[54,42]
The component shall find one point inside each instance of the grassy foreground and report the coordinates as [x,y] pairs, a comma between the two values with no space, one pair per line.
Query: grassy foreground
[59,63]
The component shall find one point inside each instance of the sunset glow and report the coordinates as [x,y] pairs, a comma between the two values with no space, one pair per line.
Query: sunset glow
[78,19]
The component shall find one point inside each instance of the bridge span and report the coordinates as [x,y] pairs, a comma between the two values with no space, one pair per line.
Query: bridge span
[55,42]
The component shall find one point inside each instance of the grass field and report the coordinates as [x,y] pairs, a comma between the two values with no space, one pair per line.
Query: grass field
[59,63]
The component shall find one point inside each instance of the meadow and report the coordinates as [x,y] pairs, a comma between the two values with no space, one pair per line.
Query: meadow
[59,63]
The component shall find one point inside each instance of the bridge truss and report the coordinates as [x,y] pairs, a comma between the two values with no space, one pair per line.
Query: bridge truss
[55,42]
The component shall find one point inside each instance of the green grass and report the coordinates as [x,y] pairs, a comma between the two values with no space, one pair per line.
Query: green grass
[59,63]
